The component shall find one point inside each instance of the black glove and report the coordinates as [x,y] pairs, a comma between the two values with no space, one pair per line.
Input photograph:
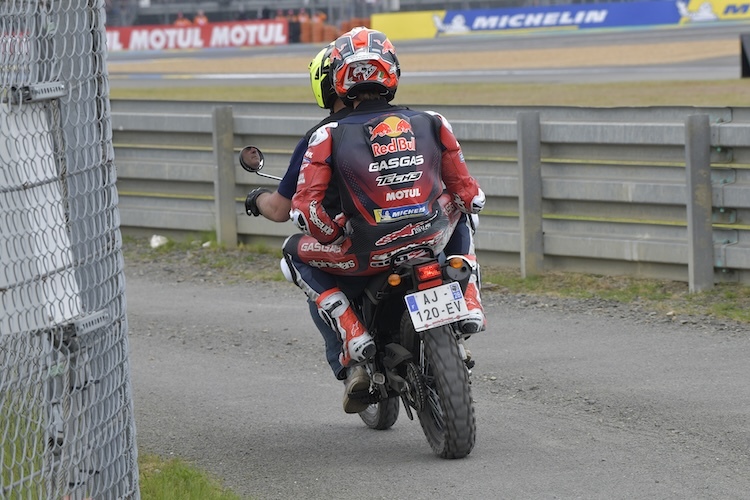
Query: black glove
[251,205]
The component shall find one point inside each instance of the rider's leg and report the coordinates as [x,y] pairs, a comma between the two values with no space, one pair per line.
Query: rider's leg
[462,243]
[476,322]
[357,380]
[331,340]
[333,305]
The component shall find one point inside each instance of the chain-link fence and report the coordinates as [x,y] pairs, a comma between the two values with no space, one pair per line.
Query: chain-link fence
[66,413]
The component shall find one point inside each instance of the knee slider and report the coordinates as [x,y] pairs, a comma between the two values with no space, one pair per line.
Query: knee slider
[287,271]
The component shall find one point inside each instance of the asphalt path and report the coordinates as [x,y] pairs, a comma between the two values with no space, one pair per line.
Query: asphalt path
[716,68]
[571,402]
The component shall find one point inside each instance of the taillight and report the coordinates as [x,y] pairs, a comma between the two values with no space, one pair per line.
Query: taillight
[428,271]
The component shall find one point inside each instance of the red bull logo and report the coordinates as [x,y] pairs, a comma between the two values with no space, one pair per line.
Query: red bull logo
[393,126]
[401,136]
[396,145]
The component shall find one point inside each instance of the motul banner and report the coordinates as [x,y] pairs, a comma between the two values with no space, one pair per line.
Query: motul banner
[212,35]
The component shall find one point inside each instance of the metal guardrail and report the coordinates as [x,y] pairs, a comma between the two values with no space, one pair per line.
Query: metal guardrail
[654,192]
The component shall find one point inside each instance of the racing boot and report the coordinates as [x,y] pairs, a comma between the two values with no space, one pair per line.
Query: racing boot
[476,321]
[358,345]
[357,380]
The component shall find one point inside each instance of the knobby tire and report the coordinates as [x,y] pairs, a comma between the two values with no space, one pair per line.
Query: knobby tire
[381,416]
[447,420]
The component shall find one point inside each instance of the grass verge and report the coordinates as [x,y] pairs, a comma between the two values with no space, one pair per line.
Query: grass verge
[714,93]
[22,448]
[175,479]
[201,256]
[726,301]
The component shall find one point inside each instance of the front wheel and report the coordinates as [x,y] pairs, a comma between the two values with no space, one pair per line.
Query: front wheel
[447,418]
[382,415]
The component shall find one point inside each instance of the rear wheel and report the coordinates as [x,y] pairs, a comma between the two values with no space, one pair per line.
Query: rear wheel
[447,418]
[382,415]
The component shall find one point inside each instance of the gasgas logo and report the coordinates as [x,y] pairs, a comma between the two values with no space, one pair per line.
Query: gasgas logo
[400,133]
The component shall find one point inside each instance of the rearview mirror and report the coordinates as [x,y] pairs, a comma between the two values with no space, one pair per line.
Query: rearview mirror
[251,159]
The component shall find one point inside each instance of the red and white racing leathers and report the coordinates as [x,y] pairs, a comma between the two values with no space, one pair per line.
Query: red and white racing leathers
[390,165]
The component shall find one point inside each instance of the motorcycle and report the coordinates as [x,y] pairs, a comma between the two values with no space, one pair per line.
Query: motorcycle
[413,310]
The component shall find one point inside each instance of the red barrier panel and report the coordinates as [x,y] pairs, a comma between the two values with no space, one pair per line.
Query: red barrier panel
[212,35]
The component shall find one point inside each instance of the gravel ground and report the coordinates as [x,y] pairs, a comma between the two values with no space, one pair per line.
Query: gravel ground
[578,399]
[221,266]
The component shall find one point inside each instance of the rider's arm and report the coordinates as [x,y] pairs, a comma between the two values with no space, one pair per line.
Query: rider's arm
[273,206]
[307,204]
[277,205]
[460,184]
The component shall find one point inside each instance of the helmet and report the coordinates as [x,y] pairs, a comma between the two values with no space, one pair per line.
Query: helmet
[364,60]
[320,78]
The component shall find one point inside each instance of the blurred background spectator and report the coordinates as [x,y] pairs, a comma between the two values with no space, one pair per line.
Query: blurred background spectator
[295,28]
[319,16]
[337,13]
[200,18]
[182,20]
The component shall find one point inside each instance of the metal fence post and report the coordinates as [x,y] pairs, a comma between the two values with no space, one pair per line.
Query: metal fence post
[699,203]
[224,183]
[530,193]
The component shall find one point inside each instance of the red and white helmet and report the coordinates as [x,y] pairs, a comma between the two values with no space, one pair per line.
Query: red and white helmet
[364,60]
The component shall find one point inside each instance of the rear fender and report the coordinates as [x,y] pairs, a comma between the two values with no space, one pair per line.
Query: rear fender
[395,354]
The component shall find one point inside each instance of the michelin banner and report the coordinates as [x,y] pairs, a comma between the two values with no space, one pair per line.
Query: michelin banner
[428,24]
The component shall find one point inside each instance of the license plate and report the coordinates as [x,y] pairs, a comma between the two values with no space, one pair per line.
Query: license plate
[436,306]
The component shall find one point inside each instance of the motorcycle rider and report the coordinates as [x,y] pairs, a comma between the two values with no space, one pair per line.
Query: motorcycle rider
[388,165]
[276,205]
